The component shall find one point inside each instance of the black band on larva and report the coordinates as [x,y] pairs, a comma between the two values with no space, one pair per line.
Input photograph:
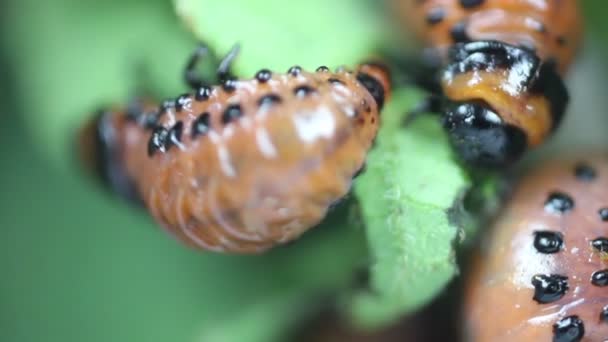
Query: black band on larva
[374,87]
[491,55]
[108,165]
[551,85]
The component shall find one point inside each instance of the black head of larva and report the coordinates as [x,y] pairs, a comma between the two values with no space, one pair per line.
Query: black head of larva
[374,87]
[481,137]
[549,288]
[559,203]
[548,242]
[568,329]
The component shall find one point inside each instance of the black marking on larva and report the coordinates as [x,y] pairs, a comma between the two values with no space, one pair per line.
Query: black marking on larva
[295,70]
[548,242]
[561,40]
[322,68]
[550,84]
[203,93]
[604,314]
[600,278]
[559,203]
[568,329]
[201,125]
[459,32]
[584,172]
[181,101]
[175,135]
[158,140]
[603,212]
[263,75]
[470,3]
[232,113]
[600,244]
[435,15]
[303,91]
[229,84]
[269,100]
[149,120]
[373,86]
[334,80]
[549,288]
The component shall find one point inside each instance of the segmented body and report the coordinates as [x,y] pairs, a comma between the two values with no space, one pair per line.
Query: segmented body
[504,59]
[246,165]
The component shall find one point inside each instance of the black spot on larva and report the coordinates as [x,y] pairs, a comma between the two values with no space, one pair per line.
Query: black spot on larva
[294,70]
[268,100]
[181,101]
[175,135]
[549,288]
[584,172]
[158,140]
[263,75]
[561,40]
[303,91]
[604,314]
[600,278]
[603,212]
[435,15]
[201,125]
[470,3]
[559,202]
[459,32]
[600,244]
[203,93]
[229,84]
[322,68]
[548,242]
[334,80]
[231,113]
[568,329]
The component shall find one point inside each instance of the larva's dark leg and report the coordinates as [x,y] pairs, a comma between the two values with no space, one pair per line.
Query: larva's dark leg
[223,70]
[193,79]
[432,104]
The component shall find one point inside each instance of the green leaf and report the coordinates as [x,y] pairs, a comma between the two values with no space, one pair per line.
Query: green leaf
[276,34]
[407,193]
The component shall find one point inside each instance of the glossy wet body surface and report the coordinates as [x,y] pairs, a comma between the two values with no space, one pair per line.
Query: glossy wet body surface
[243,166]
[541,275]
[503,57]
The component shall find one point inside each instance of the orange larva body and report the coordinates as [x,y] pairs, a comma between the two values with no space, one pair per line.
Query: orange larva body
[249,164]
[551,28]
[501,67]
[542,273]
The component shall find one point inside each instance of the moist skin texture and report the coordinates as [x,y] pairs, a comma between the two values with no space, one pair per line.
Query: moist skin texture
[244,167]
[542,262]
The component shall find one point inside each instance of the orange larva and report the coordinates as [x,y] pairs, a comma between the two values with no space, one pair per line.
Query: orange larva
[247,164]
[500,65]
[542,274]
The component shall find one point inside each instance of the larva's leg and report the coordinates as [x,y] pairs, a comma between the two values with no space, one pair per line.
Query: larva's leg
[193,79]
[223,70]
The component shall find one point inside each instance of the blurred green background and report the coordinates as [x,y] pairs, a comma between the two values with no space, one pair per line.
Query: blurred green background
[77,265]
